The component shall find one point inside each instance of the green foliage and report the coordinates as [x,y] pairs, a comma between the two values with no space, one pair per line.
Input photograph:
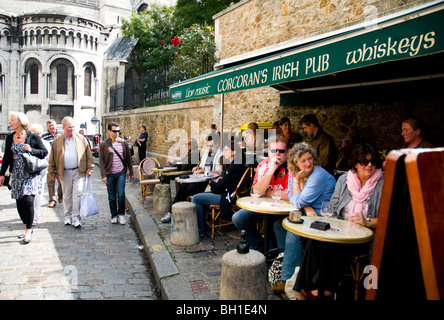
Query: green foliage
[189,12]
[150,27]
[156,27]
[195,54]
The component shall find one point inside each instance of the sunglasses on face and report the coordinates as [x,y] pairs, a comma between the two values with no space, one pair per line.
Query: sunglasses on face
[115,131]
[365,162]
[210,145]
[281,151]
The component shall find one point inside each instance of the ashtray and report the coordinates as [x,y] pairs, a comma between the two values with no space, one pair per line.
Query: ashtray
[297,222]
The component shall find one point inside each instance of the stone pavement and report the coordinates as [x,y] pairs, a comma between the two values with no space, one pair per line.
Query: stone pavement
[182,272]
[99,261]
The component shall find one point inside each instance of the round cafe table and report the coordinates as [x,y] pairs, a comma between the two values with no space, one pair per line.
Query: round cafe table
[265,205]
[340,231]
[193,178]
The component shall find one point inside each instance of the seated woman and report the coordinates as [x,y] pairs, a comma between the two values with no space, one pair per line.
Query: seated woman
[310,186]
[222,187]
[190,160]
[355,199]
[210,158]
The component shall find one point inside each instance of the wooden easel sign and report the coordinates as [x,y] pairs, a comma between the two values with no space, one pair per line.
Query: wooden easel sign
[408,251]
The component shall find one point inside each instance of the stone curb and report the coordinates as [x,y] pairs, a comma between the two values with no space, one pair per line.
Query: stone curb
[171,283]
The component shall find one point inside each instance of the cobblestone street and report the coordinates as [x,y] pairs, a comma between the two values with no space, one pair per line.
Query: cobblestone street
[99,261]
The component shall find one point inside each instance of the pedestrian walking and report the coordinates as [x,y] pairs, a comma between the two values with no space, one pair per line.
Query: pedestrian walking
[24,185]
[70,159]
[115,160]
[49,136]
[37,129]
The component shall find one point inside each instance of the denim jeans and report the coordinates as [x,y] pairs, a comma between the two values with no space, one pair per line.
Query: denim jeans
[116,193]
[201,199]
[294,249]
[247,220]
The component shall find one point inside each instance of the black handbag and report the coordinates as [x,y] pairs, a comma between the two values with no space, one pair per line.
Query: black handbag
[34,164]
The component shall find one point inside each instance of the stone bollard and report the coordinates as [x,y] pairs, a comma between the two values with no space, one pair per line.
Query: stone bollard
[243,274]
[161,198]
[184,229]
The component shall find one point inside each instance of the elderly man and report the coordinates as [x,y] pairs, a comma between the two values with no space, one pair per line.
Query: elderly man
[270,173]
[50,136]
[70,159]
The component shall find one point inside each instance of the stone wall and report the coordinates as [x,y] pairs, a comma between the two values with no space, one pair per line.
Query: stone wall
[166,125]
[257,24]
[254,24]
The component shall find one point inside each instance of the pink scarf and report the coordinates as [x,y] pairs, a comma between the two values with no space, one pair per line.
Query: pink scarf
[361,194]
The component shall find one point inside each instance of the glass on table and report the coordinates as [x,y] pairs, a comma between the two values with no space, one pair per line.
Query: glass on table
[276,194]
[325,209]
[255,195]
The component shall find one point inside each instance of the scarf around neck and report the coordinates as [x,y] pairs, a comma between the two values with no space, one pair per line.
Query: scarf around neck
[361,194]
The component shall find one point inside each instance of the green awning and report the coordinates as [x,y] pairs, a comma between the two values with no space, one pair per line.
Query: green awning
[418,34]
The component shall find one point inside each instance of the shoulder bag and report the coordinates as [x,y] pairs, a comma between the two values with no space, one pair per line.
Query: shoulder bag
[109,143]
[34,164]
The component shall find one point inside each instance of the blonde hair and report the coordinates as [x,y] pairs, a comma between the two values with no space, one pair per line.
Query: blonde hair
[296,153]
[21,117]
[36,128]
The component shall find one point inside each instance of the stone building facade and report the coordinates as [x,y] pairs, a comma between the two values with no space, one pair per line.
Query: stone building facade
[52,57]
[252,28]
[255,26]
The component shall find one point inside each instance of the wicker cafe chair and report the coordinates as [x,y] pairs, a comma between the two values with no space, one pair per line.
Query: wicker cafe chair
[145,175]
[215,220]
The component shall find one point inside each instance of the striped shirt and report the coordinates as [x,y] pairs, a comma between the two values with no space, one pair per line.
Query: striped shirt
[117,165]
[49,137]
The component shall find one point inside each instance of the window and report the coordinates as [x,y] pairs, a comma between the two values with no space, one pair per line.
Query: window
[62,79]
[87,82]
[34,77]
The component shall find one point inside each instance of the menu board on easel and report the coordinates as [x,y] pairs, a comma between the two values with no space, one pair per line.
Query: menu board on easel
[395,252]
[425,174]
[408,251]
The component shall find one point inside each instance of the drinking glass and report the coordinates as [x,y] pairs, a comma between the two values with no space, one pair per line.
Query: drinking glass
[207,171]
[254,194]
[325,209]
[276,195]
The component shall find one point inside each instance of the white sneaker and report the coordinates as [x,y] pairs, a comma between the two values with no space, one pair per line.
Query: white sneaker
[68,221]
[77,224]
[166,218]
[122,220]
[114,220]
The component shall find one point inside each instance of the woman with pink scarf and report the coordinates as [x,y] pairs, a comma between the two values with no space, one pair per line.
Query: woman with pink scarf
[356,199]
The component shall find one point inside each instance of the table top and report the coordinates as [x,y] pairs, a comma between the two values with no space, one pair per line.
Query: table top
[265,205]
[200,177]
[340,231]
[163,169]
[176,173]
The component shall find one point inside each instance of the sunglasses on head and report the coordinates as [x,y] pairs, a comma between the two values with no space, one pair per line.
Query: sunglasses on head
[115,131]
[366,162]
[278,150]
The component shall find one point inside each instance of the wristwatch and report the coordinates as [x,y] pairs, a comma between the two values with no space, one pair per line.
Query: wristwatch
[369,223]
